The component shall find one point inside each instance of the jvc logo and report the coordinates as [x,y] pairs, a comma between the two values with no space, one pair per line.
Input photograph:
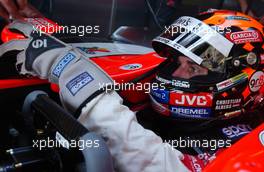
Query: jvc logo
[39,43]
[191,100]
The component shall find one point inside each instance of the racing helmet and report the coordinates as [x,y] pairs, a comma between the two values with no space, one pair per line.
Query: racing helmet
[214,66]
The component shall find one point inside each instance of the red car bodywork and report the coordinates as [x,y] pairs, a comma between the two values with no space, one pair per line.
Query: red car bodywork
[247,155]
[110,64]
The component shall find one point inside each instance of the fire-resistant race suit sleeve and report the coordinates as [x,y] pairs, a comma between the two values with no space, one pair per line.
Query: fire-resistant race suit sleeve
[133,148]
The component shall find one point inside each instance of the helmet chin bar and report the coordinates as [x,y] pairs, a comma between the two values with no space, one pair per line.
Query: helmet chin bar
[249,107]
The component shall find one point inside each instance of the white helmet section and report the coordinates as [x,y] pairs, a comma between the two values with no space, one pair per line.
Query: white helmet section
[193,26]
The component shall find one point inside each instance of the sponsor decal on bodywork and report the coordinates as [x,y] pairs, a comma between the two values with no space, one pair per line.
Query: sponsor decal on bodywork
[207,157]
[196,165]
[133,66]
[236,131]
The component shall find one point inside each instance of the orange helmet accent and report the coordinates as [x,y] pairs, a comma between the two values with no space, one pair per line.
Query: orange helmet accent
[247,34]
[225,19]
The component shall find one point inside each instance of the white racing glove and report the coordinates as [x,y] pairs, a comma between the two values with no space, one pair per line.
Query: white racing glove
[133,147]
[49,58]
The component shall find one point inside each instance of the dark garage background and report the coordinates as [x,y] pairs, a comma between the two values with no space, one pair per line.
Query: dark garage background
[127,12]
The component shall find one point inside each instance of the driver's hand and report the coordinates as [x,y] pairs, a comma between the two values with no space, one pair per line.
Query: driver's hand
[17,9]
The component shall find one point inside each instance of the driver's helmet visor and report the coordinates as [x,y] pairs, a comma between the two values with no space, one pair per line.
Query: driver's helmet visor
[197,41]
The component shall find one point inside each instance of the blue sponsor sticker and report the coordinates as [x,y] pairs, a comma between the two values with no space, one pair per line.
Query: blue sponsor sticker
[76,84]
[161,96]
[235,132]
[62,64]
[190,112]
